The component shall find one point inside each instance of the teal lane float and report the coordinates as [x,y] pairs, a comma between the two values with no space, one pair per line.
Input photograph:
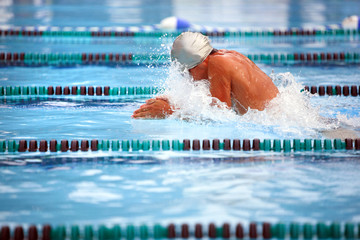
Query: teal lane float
[276,145]
[113,59]
[265,230]
[337,90]
[14,91]
[153,31]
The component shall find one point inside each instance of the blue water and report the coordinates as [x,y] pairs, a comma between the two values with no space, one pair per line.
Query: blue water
[108,187]
[188,190]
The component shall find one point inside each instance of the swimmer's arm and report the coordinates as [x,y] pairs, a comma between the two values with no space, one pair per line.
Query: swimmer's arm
[220,84]
[155,108]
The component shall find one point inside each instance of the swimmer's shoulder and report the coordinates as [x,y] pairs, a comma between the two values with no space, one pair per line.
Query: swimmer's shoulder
[218,61]
[229,54]
[239,58]
[224,57]
[225,63]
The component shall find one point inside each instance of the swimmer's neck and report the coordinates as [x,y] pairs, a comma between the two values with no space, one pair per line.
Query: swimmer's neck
[200,72]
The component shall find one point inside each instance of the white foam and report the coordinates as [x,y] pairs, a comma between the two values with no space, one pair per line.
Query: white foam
[192,99]
[351,121]
[291,112]
[290,108]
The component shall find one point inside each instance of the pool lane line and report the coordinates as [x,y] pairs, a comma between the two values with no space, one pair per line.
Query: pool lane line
[254,230]
[149,31]
[77,91]
[8,59]
[66,59]
[337,90]
[15,91]
[276,145]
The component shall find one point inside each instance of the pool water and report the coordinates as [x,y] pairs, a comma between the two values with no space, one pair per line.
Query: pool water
[168,186]
[187,190]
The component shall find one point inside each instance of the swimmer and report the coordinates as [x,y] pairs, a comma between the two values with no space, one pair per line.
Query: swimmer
[233,78]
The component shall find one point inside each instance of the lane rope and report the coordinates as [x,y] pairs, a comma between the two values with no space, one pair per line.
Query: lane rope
[14,91]
[263,230]
[337,90]
[276,145]
[76,91]
[8,59]
[155,31]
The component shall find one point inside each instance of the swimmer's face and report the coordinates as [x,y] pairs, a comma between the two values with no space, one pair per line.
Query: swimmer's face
[200,72]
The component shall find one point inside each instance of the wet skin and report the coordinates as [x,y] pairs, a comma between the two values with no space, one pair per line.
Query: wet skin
[234,79]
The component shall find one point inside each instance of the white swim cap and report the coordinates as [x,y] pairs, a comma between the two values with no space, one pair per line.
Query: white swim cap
[190,49]
[352,22]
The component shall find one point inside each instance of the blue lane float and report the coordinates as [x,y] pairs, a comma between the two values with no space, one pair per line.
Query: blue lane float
[15,91]
[173,26]
[253,230]
[33,59]
[275,145]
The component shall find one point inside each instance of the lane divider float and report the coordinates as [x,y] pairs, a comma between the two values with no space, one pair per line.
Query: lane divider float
[9,91]
[45,59]
[76,91]
[175,25]
[337,90]
[276,145]
[111,59]
[264,230]
[154,31]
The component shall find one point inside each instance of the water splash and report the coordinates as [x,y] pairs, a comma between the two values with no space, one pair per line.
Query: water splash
[193,100]
[350,121]
[290,114]
[291,107]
